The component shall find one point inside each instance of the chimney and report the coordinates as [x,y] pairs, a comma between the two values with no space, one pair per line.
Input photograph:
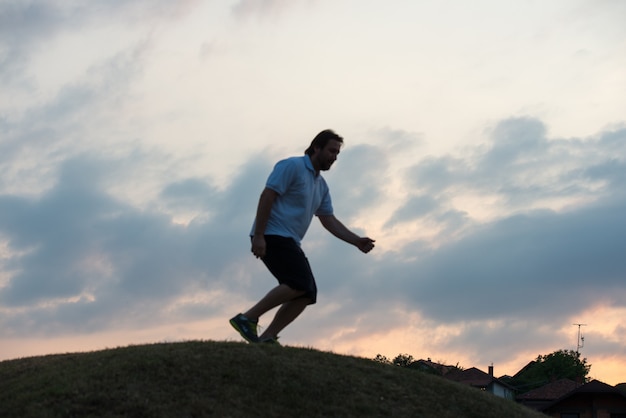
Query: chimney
[491,370]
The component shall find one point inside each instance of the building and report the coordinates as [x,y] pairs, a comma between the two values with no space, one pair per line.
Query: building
[591,400]
[483,381]
[546,395]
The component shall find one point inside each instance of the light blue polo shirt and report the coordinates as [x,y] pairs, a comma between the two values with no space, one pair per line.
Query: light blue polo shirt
[301,194]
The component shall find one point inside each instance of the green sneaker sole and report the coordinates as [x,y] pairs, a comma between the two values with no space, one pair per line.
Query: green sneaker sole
[234,324]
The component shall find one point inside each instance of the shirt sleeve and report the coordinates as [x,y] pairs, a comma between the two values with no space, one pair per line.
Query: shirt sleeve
[281,176]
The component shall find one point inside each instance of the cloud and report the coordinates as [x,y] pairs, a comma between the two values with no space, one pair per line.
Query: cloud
[191,193]
[559,259]
[262,8]
[78,250]
[39,136]
[358,179]
[27,27]
[80,258]
[21,25]
[515,141]
[415,208]
[537,259]
[558,262]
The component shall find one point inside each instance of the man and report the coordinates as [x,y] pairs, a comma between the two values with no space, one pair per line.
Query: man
[295,192]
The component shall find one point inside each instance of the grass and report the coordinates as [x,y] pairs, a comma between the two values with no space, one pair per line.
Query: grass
[228,379]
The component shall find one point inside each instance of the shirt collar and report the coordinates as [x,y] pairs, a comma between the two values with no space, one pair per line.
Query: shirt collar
[308,164]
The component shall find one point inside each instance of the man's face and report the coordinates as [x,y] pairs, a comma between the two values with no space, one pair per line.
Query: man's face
[325,157]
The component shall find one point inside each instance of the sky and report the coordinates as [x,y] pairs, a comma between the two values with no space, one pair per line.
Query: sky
[484,150]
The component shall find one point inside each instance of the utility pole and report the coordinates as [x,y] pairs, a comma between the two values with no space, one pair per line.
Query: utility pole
[580,341]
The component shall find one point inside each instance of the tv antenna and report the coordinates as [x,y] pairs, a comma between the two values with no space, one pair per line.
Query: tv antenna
[580,342]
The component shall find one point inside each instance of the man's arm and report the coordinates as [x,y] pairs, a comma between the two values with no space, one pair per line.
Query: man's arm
[335,227]
[266,201]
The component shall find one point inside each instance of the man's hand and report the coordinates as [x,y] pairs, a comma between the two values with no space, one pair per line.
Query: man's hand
[335,227]
[365,244]
[258,246]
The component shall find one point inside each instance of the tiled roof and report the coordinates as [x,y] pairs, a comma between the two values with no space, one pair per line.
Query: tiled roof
[441,368]
[551,391]
[474,377]
[593,387]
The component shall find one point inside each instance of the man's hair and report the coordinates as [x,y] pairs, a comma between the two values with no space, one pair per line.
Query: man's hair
[321,140]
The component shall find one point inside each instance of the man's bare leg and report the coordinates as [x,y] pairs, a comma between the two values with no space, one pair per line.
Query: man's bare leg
[285,315]
[277,296]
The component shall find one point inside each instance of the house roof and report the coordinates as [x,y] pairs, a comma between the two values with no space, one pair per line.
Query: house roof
[441,368]
[471,376]
[523,369]
[593,387]
[474,377]
[551,391]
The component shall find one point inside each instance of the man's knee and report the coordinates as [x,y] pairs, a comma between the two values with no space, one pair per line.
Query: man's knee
[295,292]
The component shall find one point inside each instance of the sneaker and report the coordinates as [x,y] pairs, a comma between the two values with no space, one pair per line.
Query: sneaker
[270,340]
[245,327]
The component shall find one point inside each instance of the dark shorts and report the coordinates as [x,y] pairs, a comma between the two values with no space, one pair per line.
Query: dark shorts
[286,261]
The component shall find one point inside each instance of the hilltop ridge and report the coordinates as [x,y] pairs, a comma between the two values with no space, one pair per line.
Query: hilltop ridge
[208,378]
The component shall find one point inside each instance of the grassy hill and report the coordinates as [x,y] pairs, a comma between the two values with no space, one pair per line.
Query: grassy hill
[228,379]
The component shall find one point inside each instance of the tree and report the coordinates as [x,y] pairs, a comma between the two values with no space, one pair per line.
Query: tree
[402,360]
[382,359]
[561,364]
